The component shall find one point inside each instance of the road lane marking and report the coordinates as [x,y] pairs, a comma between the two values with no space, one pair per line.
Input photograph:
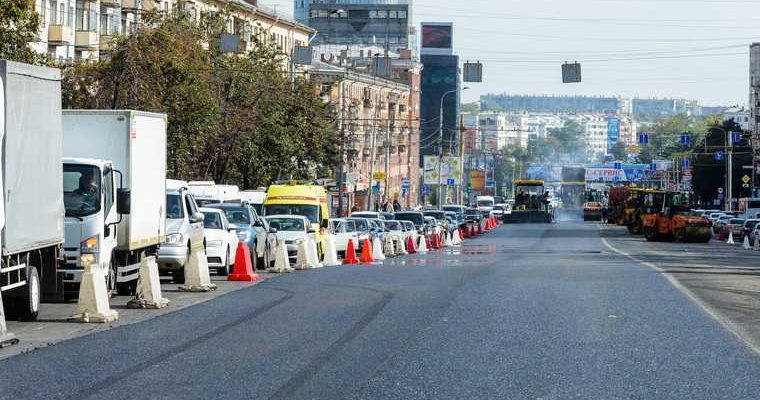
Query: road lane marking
[736,330]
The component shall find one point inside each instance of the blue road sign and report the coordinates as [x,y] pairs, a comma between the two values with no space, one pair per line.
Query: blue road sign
[451,181]
[643,138]
[685,163]
[618,165]
[653,167]
[718,155]
[736,137]
[686,139]
[616,179]
[426,189]
[490,184]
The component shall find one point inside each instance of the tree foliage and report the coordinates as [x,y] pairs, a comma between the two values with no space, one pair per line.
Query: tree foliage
[231,118]
[19,26]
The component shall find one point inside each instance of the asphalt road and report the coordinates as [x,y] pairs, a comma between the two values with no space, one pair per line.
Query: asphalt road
[526,312]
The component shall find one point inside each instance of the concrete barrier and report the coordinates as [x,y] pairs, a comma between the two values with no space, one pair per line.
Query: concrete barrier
[6,338]
[148,294]
[93,303]
[197,276]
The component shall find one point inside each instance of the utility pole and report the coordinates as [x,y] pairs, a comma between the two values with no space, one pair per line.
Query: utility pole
[373,145]
[341,164]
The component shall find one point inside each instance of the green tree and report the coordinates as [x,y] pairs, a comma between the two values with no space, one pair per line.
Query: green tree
[619,151]
[19,26]
[472,108]
[568,142]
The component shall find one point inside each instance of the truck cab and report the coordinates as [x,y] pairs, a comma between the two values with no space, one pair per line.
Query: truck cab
[184,230]
[94,204]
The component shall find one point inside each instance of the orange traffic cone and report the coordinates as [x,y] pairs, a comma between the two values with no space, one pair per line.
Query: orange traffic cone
[461,236]
[366,256]
[427,242]
[243,271]
[350,257]
[410,246]
[480,228]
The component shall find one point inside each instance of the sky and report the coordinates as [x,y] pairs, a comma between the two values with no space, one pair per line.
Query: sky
[694,49]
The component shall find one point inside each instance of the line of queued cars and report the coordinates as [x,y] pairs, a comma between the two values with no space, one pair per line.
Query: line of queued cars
[724,223]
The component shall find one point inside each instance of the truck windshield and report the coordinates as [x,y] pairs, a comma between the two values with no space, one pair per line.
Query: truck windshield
[485,203]
[310,212]
[174,207]
[81,190]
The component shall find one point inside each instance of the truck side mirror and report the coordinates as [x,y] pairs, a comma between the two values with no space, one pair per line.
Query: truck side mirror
[123,201]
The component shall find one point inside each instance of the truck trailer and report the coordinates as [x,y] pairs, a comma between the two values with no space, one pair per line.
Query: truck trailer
[115,192]
[31,199]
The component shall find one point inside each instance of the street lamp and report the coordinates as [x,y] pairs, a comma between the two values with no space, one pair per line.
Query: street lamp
[440,145]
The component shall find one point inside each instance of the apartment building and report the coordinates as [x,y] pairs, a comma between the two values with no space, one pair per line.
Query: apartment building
[86,29]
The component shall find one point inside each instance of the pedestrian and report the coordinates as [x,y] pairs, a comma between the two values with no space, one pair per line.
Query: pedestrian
[396,205]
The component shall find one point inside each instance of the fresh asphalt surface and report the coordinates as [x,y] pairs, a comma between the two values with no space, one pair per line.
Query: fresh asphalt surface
[526,312]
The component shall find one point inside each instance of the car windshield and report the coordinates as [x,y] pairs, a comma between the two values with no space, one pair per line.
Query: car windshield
[310,212]
[81,190]
[284,224]
[413,217]
[237,215]
[393,225]
[212,220]
[362,225]
[342,226]
[736,221]
[472,212]
[439,215]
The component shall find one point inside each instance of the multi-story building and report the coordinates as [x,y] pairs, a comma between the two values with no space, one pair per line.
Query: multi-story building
[86,29]
[358,23]
[379,119]
[655,108]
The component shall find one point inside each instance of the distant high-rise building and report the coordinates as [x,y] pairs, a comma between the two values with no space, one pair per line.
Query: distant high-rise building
[358,23]
[590,104]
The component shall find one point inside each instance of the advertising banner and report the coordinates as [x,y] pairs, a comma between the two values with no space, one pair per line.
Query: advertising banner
[478,180]
[450,168]
[605,175]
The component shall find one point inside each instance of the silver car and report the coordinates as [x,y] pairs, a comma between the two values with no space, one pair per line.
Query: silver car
[184,230]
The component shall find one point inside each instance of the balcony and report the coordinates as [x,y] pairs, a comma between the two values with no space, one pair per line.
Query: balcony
[110,3]
[144,5]
[86,40]
[107,43]
[59,35]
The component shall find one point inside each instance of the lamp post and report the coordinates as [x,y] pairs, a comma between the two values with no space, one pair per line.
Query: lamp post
[440,145]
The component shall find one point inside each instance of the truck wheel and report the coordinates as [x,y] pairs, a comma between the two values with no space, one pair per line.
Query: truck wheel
[27,305]
[178,275]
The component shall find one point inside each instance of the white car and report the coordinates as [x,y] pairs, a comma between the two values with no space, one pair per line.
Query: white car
[344,230]
[221,240]
[291,229]
[410,231]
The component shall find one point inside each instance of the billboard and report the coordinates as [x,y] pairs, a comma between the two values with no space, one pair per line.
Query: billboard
[613,132]
[546,173]
[478,180]
[437,38]
[605,175]
[573,175]
[450,168]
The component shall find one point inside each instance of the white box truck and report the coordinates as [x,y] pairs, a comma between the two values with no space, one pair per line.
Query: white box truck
[31,199]
[114,187]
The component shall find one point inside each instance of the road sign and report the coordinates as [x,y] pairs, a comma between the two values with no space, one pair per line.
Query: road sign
[685,163]
[451,181]
[746,179]
[405,184]
[686,139]
[379,176]
[653,167]
[719,155]
[618,165]
[426,189]
[571,73]
[736,137]
[490,184]
[643,138]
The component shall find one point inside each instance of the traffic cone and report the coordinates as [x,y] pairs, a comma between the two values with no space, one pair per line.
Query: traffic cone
[366,256]
[730,238]
[377,250]
[459,233]
[6,338]
[243,271]
[402,246]
[448,242]
[410,247]
[281,260]
[746,245]
[350,257]
[456,240]
[331,252]
[480,228]
[427,243]
[757,244]
[312,257]
[423,247]
[148,293]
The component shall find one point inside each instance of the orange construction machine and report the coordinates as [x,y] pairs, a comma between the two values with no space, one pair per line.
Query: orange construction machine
[674,222]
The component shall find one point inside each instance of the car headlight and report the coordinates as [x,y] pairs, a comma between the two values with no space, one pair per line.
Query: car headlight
[243,236]
[88,260]
[214,243]
[89,245]
[174,238]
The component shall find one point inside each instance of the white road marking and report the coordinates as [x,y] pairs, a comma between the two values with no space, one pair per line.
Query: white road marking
[743,336]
